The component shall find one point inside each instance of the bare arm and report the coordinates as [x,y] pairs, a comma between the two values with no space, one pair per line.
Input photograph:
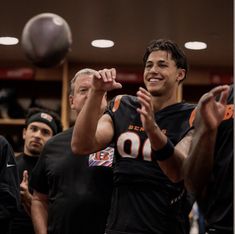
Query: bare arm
[39,212]
[171,166]
[92,133]
[198,165]
[175,167]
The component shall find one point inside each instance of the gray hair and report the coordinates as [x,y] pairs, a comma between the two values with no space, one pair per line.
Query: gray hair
[85,71]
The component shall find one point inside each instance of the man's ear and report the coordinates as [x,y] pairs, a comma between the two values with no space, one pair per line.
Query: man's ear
[71,102]
[181,74]
[24,133]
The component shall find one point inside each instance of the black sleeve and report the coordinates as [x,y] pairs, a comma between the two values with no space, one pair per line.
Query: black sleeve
[9,181]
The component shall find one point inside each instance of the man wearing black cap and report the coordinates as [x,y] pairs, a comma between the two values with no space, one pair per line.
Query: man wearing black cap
[40,126]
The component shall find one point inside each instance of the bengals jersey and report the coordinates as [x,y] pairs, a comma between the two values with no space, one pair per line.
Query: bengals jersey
[144,199]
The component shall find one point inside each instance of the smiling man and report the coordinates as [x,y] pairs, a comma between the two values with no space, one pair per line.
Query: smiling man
[144,199]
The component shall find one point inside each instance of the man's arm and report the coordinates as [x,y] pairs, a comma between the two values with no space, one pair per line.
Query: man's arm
[39,212]
[92,133]
[172,165]
[198,165]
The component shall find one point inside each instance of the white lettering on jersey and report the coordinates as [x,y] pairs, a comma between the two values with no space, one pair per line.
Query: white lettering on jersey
[136,147]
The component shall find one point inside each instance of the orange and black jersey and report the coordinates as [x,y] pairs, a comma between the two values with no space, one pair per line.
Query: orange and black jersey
[144,199]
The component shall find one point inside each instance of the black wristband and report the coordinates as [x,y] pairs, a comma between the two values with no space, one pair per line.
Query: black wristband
[164,153]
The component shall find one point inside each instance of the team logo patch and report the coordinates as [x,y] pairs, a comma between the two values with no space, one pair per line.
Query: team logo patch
[46,116]
[102,158]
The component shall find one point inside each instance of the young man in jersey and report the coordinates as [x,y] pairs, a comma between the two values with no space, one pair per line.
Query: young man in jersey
[144,130]
[209,167]
[9,186]
[40,126]
[72,194]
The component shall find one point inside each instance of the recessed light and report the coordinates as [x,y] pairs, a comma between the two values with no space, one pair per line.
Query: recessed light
[102,43]
[195,45]
[8,41]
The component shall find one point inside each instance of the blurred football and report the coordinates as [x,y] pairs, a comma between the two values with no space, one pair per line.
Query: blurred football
[46,40]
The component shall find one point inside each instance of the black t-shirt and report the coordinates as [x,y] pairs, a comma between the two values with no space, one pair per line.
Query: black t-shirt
[144,199]
[78,187]
[9,185]
[22,222]
[217,204]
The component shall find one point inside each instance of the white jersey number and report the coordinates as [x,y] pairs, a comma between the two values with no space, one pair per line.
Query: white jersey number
[136,146]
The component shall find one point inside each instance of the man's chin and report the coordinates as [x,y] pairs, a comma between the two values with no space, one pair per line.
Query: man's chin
[35,152]
[155,93]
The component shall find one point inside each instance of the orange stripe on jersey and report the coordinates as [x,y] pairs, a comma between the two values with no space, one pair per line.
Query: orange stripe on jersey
[117,103]
[229,114]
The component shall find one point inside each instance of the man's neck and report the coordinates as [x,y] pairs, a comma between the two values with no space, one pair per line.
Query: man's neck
[30,154]
[161,102]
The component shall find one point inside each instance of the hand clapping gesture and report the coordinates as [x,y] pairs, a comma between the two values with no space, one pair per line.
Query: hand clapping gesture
[146,110]
[210,112]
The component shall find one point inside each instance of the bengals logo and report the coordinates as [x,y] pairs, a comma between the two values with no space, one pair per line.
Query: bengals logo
[102,158]
[229,113]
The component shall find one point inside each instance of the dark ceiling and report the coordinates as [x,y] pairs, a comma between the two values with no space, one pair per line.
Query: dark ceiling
[131,24]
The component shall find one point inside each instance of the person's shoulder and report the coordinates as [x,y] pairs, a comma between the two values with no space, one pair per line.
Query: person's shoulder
[125,99]
[18,156]
[4,144]
[183,106]
[180,107]
[6,150]
[66,132]
[189,105]
[3,140]
[122,100]
[60,137]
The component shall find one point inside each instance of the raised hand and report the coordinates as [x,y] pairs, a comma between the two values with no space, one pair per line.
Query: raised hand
[26,197]
[24,186]
[210,112]
[146,110]
[105,80]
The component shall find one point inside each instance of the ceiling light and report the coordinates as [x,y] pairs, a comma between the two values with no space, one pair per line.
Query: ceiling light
[102,43]
[195,45]
[8,41]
